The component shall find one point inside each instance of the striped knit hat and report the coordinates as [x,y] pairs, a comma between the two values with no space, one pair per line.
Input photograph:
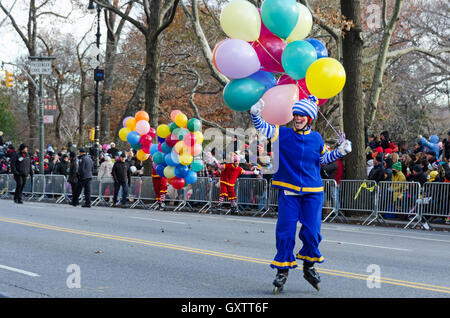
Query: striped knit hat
[306,107]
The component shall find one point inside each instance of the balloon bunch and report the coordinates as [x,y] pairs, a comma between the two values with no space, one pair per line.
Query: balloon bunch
[271,41]
[177,156]
[137,131]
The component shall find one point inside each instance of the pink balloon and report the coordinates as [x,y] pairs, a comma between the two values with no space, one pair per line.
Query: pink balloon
[269,49]
[174,114]
[190,139]
[146,149]
[142,127]
[237,59]
[278,102]
[146,140]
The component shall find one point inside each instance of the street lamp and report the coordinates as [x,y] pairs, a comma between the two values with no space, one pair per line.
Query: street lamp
[98,76]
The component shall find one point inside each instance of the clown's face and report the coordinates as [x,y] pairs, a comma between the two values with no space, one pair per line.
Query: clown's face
[235,158]
[300,121]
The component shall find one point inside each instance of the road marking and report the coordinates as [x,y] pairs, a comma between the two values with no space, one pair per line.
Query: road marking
[17,270]
[385,280]
[366,245]
[158,220]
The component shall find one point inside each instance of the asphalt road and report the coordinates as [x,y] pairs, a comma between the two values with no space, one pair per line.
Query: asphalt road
[52,250]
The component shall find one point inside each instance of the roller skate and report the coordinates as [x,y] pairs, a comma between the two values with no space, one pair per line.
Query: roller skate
[310,274]
[280,280]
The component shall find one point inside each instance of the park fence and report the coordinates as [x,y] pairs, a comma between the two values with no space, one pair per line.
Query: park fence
[257,197]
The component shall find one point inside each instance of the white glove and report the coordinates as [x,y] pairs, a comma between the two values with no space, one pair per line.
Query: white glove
[257,108]
[256,171]
[345,147]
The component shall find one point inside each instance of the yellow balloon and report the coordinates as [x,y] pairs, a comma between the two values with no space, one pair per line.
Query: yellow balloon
[186,158]
[179,147]
[141,155]
[199,136]
[241,20]
[123,132]
[181,120]
[163,131]
[169,172]
[325,78]
[131,124]
[303,26]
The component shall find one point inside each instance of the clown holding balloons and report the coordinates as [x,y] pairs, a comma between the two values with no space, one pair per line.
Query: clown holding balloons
[281,76]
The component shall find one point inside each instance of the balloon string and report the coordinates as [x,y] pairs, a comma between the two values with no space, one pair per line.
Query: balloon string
[268,52]
[339,134]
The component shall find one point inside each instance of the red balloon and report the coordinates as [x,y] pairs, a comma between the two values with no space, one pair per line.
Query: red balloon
[171,140]
[301,84]
[190,139]
[146,148]
[146,140]
[269,49]
[159,147]
[152,132]
[178,183]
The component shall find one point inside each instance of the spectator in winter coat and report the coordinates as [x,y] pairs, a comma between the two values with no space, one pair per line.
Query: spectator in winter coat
[73,170]
[432,144]
[85,173]
[21,168]
[418,175]
[431,156]
[122,178]
[377,172]
[62,167]
[105,169]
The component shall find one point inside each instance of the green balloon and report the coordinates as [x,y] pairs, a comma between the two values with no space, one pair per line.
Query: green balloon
[297,57]
[197,165]
[158,157]
[180,132]
[194,124]
[172,126]
[136,146]
[280,16]
[241,94]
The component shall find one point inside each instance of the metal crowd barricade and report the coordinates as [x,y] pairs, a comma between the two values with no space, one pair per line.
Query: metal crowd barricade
[196,195]
[214,194]
[435,200]
[331,200]
[134,192]
[358,196]
[272,199]
[398,198]
[106,191]
[146,194]
[38,186]
[4,186]
[252,194]
[54,187]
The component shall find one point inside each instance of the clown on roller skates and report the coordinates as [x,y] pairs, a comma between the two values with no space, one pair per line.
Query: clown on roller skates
[299,152]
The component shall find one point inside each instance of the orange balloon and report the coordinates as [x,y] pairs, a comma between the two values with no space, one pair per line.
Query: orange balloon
[141,115]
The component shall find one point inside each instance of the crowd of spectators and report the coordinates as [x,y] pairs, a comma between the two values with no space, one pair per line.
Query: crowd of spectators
[427,161]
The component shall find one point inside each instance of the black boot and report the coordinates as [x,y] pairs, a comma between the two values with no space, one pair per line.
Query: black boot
[280,280]
[310,274]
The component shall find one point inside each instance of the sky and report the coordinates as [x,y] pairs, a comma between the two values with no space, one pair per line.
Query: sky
[12,45]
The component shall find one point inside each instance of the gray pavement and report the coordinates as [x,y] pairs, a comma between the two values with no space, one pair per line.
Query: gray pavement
[53,250]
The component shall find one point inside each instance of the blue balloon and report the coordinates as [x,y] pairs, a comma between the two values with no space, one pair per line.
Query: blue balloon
[321,49]
[161,140]
[168,160]
[181,171]
[265,78]
[160,170]
[175,157]
[133,138]
[191,177]
[153,149]
[165,148]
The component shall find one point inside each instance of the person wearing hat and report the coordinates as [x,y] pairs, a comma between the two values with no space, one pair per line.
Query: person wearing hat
[298,154]
[122,179]
[21,169]
[377,172]
[85,173]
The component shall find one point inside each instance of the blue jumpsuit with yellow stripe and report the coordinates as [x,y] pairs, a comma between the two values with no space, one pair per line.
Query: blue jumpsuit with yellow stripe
[298,155]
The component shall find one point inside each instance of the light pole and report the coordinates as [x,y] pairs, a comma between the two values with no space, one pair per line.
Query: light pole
[98,76]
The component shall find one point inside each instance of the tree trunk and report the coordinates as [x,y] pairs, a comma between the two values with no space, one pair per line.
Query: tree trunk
[353,111]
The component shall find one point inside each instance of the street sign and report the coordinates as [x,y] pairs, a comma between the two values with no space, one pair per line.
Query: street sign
[48,119]
[94,63]
[40,67]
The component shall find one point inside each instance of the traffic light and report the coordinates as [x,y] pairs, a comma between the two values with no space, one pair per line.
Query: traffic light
[9,79]
[91,134]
